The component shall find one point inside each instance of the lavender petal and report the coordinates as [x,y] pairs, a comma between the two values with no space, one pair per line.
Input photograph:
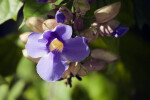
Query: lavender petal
[52,66]
[63,32]
[76,49]
[35,48]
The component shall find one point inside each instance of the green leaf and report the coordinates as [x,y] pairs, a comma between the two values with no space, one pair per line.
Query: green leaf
[16,90]
[3,91]
[9,9]
[58,2]
[10,55]
[33,8]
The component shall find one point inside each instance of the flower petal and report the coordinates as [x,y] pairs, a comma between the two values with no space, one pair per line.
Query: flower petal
[34,48]
[47,36]
[76,49]
[60,18]
[63,32]
[51,67]
[119,31]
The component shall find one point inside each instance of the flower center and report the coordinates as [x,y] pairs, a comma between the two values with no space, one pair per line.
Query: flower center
[56,44]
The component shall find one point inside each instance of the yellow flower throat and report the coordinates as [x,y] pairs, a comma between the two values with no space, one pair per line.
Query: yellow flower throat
[56,44]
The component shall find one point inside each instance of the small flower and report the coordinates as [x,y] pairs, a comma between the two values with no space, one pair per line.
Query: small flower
[60,18]
[55,48]
[119,31]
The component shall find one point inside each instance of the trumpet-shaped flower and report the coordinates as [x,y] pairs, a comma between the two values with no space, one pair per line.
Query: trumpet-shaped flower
[55,48]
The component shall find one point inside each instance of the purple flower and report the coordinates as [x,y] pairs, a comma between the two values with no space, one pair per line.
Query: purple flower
[60,17]
[55,48]
[42,1]
[119,31]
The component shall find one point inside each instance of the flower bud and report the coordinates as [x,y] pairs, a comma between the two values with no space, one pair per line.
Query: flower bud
[63,15]
[94,64]
[108,28]
[36,60]
[35,24]
[75,68]
[107,13]
[49,24]
[81,6]
[24,37]
[91,34]
[60,17]
[78,23]
[104,55]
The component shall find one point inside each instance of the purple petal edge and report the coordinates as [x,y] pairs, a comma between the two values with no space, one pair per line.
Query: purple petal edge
[76,49]
[51,67]
[34,48]
[119,31]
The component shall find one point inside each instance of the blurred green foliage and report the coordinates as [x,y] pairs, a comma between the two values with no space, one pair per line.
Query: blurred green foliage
[127,79]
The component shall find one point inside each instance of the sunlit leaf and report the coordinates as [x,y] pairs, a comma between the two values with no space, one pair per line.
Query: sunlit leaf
[33,8]
[9,9]
[3,91]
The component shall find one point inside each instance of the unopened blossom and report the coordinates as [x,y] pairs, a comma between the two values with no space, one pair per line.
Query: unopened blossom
[107,13]
[55,48]
[78,23]
[49,24]
[60,17]
[35,24]
[63,15]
